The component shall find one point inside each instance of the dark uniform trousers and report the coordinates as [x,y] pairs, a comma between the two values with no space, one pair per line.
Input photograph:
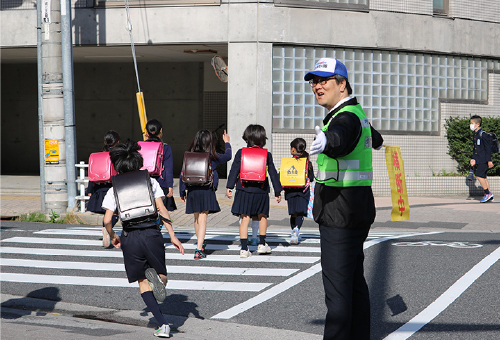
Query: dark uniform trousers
[346,292]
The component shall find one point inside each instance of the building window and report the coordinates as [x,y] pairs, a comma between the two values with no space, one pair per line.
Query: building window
[440,7]
[399,91]
[335,4]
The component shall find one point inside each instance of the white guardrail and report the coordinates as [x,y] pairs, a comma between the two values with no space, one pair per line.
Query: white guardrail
[81,185]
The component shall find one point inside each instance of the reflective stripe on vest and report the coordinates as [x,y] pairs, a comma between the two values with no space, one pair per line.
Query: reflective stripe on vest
[354,169]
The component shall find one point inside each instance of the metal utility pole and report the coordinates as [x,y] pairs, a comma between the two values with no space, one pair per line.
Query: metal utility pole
[69,99]
[52,134]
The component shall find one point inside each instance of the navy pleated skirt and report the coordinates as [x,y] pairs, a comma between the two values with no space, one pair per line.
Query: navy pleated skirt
[95,201]
[201,199]
[169,202]
[297,205]
[251,204]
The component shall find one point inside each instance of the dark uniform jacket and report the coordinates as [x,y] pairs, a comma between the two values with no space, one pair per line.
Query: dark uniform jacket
[350,207]
[482,147]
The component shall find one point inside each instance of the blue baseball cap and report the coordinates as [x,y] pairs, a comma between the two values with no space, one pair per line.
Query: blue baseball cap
[327,67]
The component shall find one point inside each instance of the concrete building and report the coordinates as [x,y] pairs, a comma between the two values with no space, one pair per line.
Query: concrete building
[412,64]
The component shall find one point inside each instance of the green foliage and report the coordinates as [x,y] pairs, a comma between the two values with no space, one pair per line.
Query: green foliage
[460,140]
[69,218]
[33,217]
[53,216]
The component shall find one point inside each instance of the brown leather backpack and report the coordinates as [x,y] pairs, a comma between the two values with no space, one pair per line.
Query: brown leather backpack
[196,168]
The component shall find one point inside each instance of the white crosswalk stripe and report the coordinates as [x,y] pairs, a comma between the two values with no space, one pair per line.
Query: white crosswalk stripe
[59,253]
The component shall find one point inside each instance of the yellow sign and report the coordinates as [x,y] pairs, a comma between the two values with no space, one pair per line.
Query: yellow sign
[52,151]
[395,167]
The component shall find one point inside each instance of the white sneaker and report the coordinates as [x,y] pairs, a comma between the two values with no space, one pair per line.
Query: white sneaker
[264,249]
[163,331]
[245,253]
[159,291]
[294,237]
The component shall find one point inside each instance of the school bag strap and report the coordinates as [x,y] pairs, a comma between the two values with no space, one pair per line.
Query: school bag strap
[135,200]
[197,169]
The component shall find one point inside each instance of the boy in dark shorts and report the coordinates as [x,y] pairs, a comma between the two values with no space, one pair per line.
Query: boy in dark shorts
[481,156]
[142,244]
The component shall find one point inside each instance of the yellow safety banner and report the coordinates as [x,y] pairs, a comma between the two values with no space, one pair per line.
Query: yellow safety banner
[395,168]
[142,113]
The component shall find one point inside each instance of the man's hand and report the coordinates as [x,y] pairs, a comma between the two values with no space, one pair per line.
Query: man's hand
[319,143]
[170,192]
[229,194]
[472,162]
[490,164]
[183,199]
[278,198]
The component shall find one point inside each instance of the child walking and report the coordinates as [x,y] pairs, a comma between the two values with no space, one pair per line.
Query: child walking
[481,157]
[252,198]
[141,243]
[201,199]
[97,191]
[154,133]
[298,198]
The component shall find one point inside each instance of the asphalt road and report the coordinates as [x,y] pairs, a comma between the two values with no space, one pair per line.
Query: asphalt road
[424,285]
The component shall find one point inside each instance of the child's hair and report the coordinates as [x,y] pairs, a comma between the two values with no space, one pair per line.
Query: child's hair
[255,135]
[204,142]
[126,157]
[476,119]
[300,145]
[153,128]
[111,138]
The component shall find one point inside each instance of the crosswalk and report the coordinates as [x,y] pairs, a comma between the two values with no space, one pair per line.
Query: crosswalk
[75,256]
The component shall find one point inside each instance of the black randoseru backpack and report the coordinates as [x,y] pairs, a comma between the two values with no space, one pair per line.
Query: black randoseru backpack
[493,141]
[134,199]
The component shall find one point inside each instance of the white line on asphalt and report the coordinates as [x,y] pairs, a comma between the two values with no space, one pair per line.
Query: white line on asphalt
[119,267]
[85,242]
[168,256]
[446,299]
[116,282]
[289,283]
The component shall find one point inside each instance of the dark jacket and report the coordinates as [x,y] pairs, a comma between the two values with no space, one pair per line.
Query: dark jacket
[482,147]
[166,180]
[350,207]
[223,158]
[234,177]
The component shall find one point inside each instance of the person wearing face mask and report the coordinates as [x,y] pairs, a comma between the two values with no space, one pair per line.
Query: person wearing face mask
[481,156]
[344,206]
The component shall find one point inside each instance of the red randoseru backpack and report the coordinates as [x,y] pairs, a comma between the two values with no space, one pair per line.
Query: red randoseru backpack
[152,154]
[100,167]
[253,165]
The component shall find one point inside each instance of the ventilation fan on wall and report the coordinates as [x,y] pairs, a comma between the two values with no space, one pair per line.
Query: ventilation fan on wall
[220,68]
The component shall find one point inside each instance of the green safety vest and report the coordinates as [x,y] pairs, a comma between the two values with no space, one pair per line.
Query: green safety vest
[354,169]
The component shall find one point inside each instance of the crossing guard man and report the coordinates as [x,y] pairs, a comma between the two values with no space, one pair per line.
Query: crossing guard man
[344,206]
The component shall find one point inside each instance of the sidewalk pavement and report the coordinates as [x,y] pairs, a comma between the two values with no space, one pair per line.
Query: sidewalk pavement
[21,194]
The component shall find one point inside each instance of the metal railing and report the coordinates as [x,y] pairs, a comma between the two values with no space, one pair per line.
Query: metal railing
[82,179]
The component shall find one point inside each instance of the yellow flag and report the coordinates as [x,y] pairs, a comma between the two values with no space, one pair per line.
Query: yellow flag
[395,168]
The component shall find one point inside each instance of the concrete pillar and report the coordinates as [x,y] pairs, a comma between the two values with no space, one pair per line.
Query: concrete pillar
[56,197]
[249,89]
